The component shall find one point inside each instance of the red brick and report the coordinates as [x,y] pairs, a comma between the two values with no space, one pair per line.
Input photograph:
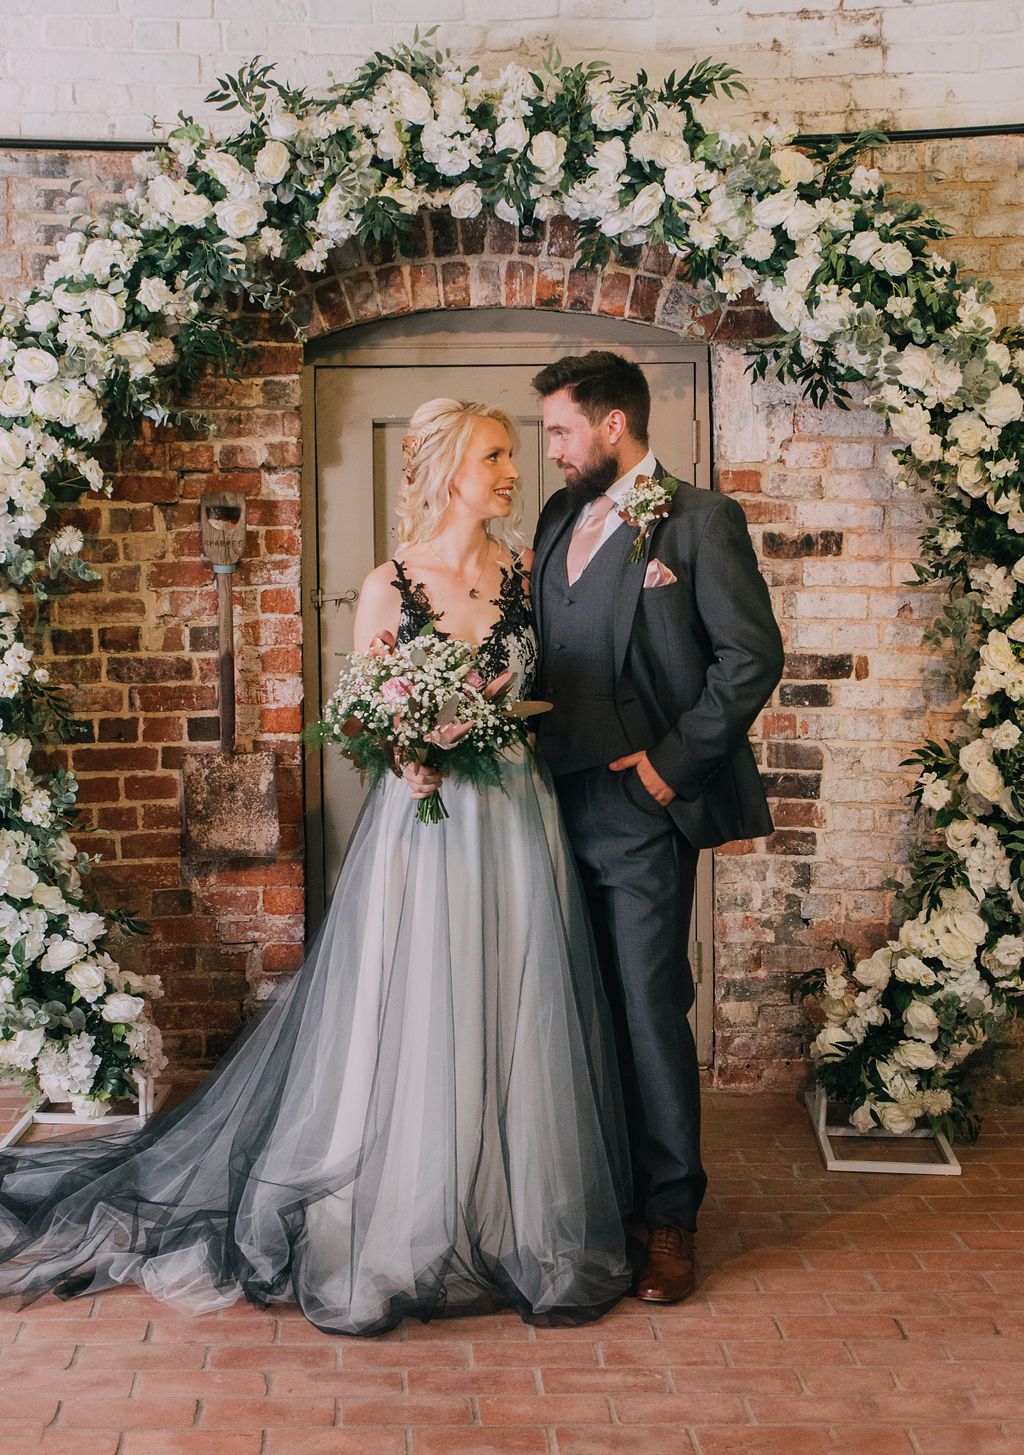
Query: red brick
[407,1410]
[167,1413]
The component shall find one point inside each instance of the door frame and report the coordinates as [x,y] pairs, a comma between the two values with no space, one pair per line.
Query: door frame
[493,336]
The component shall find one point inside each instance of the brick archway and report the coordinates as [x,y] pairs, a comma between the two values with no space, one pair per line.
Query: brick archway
[481,262]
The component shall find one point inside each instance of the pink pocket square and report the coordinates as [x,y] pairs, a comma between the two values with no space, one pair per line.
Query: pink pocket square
[658,574]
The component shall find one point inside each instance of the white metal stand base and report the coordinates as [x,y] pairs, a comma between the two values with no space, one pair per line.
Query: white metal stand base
[817,1105]
[150,1097]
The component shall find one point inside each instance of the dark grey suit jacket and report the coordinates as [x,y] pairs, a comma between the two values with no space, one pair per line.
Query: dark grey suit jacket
[695,661]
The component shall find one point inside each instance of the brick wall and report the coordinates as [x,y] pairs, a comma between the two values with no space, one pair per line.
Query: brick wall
[82,68]
[835,545]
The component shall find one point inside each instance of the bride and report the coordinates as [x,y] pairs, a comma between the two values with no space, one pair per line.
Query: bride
[426,1119]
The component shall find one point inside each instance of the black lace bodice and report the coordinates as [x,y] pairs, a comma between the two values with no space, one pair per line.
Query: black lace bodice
[511,643]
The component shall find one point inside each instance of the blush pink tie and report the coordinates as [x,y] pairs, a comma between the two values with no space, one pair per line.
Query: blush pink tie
[586,537]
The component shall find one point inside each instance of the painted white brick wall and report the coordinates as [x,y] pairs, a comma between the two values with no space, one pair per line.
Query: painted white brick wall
[92,69]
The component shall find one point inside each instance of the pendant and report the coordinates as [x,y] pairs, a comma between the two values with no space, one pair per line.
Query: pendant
[474,593]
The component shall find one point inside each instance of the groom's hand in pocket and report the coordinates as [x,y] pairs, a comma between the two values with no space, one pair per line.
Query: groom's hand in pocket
[655,785]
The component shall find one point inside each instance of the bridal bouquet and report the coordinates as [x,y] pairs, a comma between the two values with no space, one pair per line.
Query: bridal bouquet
[425,701]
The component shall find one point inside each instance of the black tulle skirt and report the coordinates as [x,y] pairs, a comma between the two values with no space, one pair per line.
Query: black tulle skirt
[425,1121]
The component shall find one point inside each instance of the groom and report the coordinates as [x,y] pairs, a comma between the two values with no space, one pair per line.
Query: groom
[657,668]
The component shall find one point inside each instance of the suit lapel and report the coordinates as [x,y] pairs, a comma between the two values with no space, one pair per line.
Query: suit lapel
[627,595]
[552,536]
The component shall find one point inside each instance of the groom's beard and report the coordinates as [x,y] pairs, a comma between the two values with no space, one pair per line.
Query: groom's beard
[590,482]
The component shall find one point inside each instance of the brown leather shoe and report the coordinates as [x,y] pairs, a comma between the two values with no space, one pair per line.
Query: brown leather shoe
[670,1274]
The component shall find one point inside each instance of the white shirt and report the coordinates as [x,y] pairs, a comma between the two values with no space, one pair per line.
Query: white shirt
[613,519]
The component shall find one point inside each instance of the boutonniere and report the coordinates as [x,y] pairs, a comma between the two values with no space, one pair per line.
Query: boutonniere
[643,505]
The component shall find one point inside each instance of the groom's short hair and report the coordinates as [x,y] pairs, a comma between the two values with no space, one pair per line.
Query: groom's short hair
[599,382]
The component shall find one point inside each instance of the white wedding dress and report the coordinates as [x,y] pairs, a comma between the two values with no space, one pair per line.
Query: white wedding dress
[426,1121]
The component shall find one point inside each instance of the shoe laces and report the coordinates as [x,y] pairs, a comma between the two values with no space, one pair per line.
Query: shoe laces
[666,1240]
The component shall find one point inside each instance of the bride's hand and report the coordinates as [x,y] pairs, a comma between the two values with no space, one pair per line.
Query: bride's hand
[421,780]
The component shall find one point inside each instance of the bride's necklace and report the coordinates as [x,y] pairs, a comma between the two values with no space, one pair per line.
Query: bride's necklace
[473,590]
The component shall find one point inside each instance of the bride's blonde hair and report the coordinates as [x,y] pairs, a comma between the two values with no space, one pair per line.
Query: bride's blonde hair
[434,448]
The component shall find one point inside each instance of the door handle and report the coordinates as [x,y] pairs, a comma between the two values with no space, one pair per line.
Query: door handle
[321,598]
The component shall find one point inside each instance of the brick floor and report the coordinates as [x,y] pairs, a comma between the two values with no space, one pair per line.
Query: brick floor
[835,1313]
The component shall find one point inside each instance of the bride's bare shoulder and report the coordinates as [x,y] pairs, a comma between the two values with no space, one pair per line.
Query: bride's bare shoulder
[380,604]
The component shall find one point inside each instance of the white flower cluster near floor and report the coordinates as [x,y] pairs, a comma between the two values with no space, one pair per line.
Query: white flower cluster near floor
[135,305]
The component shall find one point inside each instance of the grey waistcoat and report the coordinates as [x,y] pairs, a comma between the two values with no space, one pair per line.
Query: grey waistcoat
[577,660]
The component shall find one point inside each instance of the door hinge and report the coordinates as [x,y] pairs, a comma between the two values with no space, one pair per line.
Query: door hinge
[696,442]
[321,598]
[698,962]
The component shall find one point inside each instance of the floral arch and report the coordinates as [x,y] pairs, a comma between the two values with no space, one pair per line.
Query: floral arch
[136,305]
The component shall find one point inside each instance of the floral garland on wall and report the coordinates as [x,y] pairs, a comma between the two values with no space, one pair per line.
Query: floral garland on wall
[135,305]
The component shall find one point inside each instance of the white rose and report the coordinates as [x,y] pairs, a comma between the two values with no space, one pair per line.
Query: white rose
[40,316]
[466,201]
[22,1050]
[894,258]
[49,897]
[413,103]
[61,953]
[986,779]
[154,294]
[511,135]
[239,216]
[863,1117]
[228,171]
[88,1108]
[926,447]
[971,478]
[864,245]
[191,210]
[916,1055]
[272,162]
[793,166]
[163,192]
[86,926]
[831,1043]
[281,124]
[546,152]
[864,181]
[874,973]
[772,210]
[132,346]
[913,971]
[968,432]
[669,150]
[15,397]
[1002,406]
[120,1008]
[1005,956]
[87,978]
[936,795]
[506,212]
[893,1118]
[914,367]
[99,257]
[106,313]
[998,654]
[49,399]
[1006,735]
[646,205]
[67,301]
[606,113]
[921,1021]
[35,366]
[12,451]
